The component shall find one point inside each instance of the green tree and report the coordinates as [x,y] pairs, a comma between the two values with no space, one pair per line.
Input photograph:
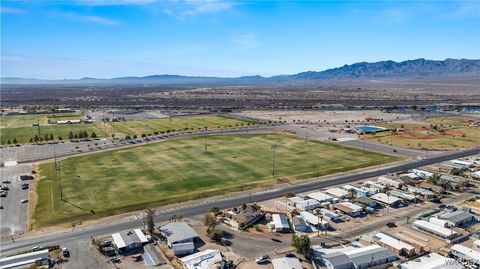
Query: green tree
[93,135]
[301,243]
[14,140]
[70,135]
[51,136]
[210,221]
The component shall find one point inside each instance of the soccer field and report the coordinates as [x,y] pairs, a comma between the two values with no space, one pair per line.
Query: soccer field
[113,182]
[173,124]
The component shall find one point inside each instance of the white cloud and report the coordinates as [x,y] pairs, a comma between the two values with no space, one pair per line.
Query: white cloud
[196,7]
[11,10]
[85,18]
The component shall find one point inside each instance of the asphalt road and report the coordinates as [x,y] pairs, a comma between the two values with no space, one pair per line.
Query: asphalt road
[383,148]
[202,207]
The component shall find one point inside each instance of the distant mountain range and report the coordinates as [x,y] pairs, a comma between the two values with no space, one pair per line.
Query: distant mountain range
[419,68]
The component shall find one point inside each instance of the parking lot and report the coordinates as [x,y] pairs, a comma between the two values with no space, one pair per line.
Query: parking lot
[14,215]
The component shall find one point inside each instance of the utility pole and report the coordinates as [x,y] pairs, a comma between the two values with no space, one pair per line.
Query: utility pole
[306,134]
[273,147]
[186,121]
[206,140]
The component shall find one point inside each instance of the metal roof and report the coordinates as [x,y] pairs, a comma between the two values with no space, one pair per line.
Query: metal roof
[178,231]
[152,257]
[445,232]
[337,259]
[456,216]
[369,254]
[128,237]
[286,263]
[280,221]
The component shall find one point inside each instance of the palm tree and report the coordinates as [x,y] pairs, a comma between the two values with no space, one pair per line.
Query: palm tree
[319,214]
[352,193]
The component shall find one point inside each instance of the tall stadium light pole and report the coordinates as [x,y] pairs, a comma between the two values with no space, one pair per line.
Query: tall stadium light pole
[206,140]
[186,121]
[306,134]
[273,147]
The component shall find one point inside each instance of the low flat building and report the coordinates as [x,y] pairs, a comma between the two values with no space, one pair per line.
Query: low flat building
[386,199]
[320,197]
[422,173]
[390,181]
[299,225]
[280,223]
[404,196]
[314,220]
[286,263]
[432,187]
[309,204]
[202,260]
[421,191]
[358,192]
[366,201]
[180,237]
[354,257]
[448,235]
[39,258]
[350,209]
[458,218]
[465,254]
[394,244]
[330,215]
[338,192]
[431,261]
[129,241]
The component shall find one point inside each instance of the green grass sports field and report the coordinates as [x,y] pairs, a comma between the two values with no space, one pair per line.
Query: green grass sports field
[118,181]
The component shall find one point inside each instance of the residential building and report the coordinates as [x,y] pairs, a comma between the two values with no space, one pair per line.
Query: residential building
[202,260]
[314,220]
[280,223]
[299,225]
[350,209]
[320,197]
[330,215]
[358,192]
[422,173]
[462,165]
[180,237]
[394,244]
[386,199]
[466,254]
[338,192]
[390,181]
[458,218]
[432,187]
[286,263]
[366,201]
[404,196]
[421,191]
[431,261]
[306,205]
[129,241]
[244,216]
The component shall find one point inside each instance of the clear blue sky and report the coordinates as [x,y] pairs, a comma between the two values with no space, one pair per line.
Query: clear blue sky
[110,38]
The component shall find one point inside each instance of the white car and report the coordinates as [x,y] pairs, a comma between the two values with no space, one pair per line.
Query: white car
[23,201]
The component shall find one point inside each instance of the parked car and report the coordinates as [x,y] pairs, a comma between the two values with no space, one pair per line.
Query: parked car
[3,194]
[1,206]
[391,225]
[23,201]
[263,260]
[115,259]
[5,188]
[106,243]
[36,248]
[6,181]
[290,255]
[25,186]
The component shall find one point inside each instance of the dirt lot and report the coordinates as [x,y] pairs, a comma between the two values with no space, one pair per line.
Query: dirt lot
[333,116]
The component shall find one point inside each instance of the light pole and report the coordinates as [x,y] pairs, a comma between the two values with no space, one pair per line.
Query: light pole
[206,140]
[273,147]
